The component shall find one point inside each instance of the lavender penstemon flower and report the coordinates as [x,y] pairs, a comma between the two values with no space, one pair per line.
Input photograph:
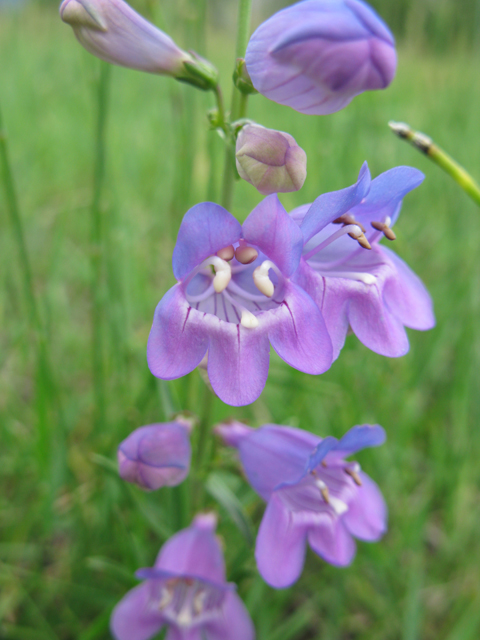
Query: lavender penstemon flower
[313,495]
[234,297]
[373,292]
[185,590]
[156,455]
[317,55]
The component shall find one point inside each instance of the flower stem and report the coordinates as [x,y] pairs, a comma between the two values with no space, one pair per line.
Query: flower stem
[239,102]
[97,246]
[426,145]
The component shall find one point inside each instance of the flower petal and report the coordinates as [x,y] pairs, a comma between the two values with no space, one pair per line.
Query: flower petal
[329,538]
[184,633]
[177,343]
[273,455]
[132,619]
[235,623]
[206,228]
[407,297]
[233,432]
[298,333]
[360,437]
[280,548]
[386,194]
[238,361]
[272,230]
[332,205]
[366,517]
[194,551]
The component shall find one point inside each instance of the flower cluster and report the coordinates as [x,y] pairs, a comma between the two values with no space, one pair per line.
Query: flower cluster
[296,282]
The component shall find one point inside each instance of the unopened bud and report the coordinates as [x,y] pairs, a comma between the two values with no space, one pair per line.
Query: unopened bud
[270,160]
[113,31]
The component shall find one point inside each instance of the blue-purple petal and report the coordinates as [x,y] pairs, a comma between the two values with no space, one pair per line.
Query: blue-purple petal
[329,206]
[273,455]
[366,518]
[133,619]
[272,230]
[360,437]
[234,622]
[206,228]
[329,538]
[281,545]
[177,341]
[298,333]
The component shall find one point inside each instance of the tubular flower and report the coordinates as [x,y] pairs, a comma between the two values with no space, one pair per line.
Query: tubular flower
[313,495]
[371,291]
[270,160]
[155,456]
[113,31]
[185,590]
[317,55]
[234,298]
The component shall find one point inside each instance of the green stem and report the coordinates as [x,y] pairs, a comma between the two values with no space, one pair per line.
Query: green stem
[204,449]
[239,102]
[426,145]
[46,385]
[97,246]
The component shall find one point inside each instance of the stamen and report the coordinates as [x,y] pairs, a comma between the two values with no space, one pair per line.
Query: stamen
[353,473]
[323,488]
[223,273]
[234,288]
[166,597]
[201,296]
[384,227]
[349,228]
[226,253]
[366,278]
[261,279]
[199,601]
[338,506]
[249,321]
[347,218]
[245,254]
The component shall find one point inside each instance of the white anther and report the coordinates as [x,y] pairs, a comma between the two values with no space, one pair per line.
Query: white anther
[261,279]
[166,597]
[388,221]
[223,274]
[184,618]
[249,321]
[338,506]
[320,484]
[199,601]
[355,231]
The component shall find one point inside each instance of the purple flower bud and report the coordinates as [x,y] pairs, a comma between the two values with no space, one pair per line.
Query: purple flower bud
[270,160]
[316,55]
[155,456]
[113,31]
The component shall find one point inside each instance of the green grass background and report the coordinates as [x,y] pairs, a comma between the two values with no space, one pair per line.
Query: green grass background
[71,533]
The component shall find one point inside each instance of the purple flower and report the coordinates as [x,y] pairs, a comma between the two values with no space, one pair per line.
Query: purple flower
[270,160]
[312,494]
[113,31]
[234,298]
[185,590]
[316,55]
[372,292]
[155,456]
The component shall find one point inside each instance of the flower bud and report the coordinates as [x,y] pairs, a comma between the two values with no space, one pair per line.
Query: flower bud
[155,456]
[270,160]
[113,31]
[316,56]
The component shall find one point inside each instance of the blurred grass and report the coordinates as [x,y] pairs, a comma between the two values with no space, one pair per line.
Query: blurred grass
[71,533]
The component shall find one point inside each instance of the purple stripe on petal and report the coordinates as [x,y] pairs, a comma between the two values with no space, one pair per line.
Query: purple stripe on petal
[206,228]
[133,618]
[280,547]
[331,205]
[270,228]
[177,342]
[238,361]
